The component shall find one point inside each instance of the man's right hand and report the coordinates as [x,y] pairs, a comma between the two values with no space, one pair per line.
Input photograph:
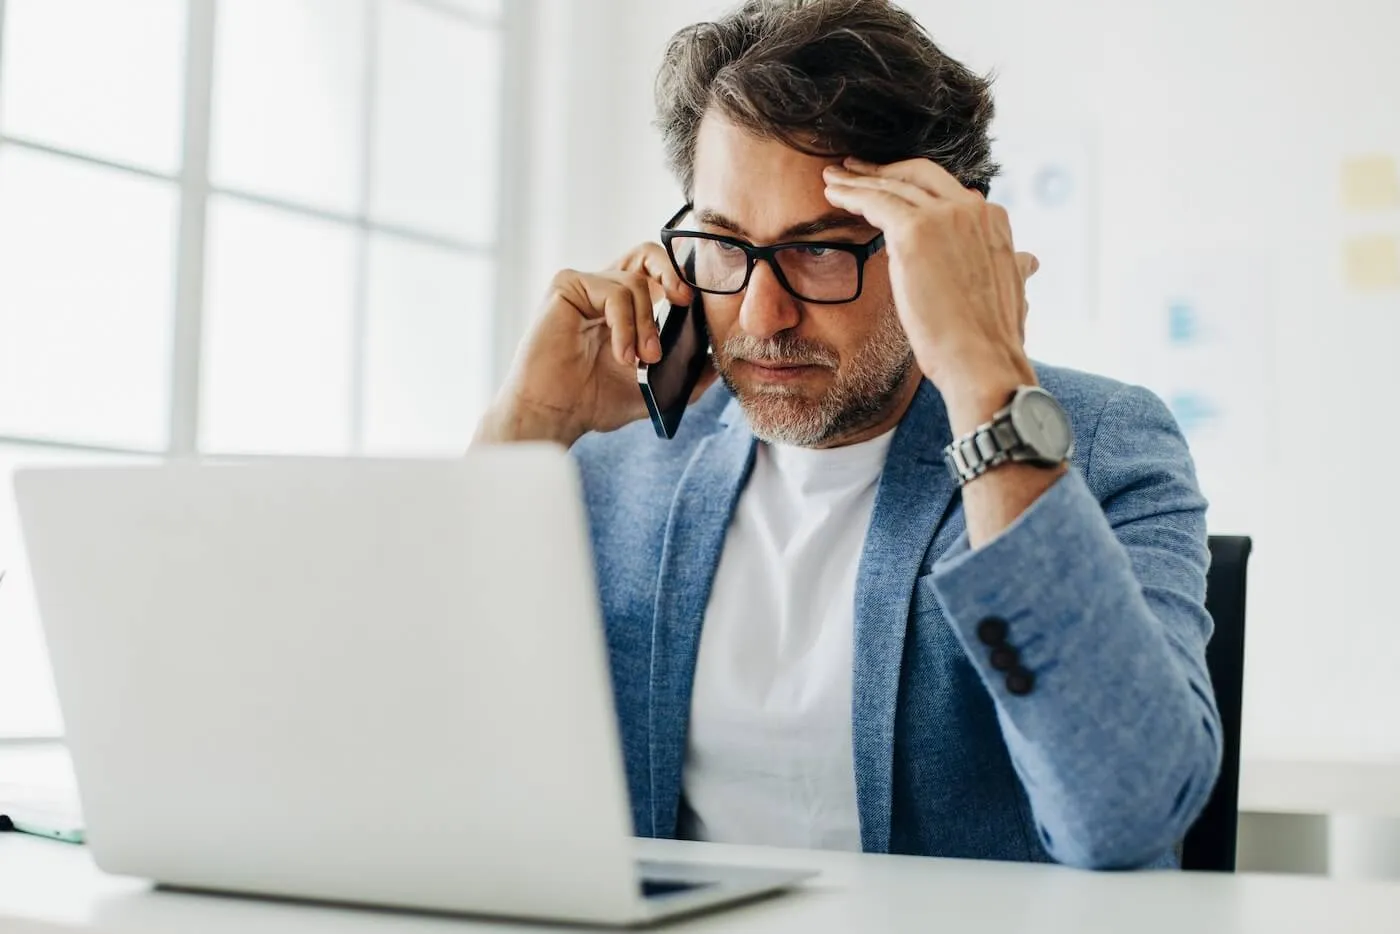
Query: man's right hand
[576,370]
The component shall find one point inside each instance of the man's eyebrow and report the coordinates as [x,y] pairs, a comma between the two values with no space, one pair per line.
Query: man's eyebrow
[712,218]
[832,220]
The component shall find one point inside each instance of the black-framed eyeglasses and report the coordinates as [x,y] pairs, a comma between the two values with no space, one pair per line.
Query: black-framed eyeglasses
[814,271]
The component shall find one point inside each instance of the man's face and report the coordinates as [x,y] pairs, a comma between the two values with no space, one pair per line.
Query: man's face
[806,374]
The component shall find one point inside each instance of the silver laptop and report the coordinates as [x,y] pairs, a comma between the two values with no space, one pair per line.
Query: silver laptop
[355,681]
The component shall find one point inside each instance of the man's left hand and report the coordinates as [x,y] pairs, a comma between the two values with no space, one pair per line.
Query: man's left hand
[959,285]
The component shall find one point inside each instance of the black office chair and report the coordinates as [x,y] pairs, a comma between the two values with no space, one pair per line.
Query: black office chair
[1210,843]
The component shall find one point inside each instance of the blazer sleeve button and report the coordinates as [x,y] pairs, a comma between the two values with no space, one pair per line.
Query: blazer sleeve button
[1004,658]
[992,631]
[1019,681]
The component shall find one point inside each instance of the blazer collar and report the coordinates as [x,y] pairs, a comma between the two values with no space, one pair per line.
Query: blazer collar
[914,494]
[700,514]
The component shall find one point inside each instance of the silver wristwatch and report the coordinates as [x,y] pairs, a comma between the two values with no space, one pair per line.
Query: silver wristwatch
[1031,429]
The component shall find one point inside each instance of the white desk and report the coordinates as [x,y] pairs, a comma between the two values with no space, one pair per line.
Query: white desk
[52,882]
[48,886]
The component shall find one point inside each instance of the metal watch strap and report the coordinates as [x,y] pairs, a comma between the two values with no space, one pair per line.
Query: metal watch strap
[988,446]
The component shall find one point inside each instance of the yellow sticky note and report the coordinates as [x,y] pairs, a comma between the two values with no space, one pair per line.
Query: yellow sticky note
[1370,183]
[1372,262]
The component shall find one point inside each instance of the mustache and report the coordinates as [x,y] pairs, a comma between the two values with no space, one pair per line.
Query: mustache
[781,348]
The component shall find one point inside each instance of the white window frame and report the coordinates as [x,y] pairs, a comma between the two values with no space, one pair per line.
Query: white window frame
[195,191]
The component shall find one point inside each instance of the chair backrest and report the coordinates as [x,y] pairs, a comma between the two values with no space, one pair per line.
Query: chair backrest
[1210,843]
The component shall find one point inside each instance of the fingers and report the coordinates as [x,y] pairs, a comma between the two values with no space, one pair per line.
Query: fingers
[648,340]
[617,304]
[634,334]
[882,208]
[1000,224]
[652,260]
[624,300]
[925,174]
[1028,264]
[624,296]
[900,188]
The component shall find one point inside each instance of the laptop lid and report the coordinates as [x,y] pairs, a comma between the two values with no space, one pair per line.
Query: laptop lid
[379,682]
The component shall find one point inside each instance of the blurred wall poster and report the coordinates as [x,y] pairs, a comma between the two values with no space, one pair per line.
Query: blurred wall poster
[1048,188]
[1203,339]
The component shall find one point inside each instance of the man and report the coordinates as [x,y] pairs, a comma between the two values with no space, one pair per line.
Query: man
[824,629]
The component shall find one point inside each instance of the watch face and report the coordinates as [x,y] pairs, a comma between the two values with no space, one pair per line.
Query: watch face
[1043,425]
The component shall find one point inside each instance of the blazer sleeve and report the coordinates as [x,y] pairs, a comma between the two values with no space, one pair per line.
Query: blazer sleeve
[1095,597]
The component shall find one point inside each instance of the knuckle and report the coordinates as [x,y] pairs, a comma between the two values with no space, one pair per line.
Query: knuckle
[969,217]
[613,309]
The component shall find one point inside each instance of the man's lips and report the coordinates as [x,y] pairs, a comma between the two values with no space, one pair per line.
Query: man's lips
[781,365]
[781,371]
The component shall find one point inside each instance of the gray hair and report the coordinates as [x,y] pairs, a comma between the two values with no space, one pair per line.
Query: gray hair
[829,78]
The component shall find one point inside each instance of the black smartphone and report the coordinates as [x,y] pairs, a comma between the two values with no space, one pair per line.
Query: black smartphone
[685,347]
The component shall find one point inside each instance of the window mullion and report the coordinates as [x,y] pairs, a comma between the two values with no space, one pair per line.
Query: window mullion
[359,322]
[2,53]
[194,208]
[513,207]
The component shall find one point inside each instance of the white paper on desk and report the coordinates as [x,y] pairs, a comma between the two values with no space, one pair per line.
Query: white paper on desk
[47,807]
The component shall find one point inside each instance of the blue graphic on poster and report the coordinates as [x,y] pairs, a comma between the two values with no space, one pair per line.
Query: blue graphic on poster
[1048,187]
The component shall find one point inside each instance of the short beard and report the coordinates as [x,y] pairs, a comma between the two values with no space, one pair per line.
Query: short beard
[861,394]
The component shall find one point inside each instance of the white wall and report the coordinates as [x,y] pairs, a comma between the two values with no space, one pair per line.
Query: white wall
[1217,128]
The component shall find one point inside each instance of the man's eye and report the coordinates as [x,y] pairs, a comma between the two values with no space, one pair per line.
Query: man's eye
[815,251]
[727,247]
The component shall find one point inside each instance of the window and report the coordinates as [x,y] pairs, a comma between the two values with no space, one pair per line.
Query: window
[238,227]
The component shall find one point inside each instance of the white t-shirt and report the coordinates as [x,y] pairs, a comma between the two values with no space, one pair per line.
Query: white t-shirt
[768,756]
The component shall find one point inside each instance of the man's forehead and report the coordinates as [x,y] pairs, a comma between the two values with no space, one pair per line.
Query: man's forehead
[759,187]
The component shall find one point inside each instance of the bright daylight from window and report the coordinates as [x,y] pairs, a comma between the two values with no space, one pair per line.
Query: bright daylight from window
[237,227]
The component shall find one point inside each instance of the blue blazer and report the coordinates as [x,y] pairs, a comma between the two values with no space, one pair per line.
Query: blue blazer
[1101,586]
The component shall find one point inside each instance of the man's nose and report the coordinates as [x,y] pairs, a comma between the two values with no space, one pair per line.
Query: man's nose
[767,307]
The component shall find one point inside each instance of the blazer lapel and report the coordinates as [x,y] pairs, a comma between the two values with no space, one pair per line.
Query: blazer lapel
[705,499]
[915,491]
